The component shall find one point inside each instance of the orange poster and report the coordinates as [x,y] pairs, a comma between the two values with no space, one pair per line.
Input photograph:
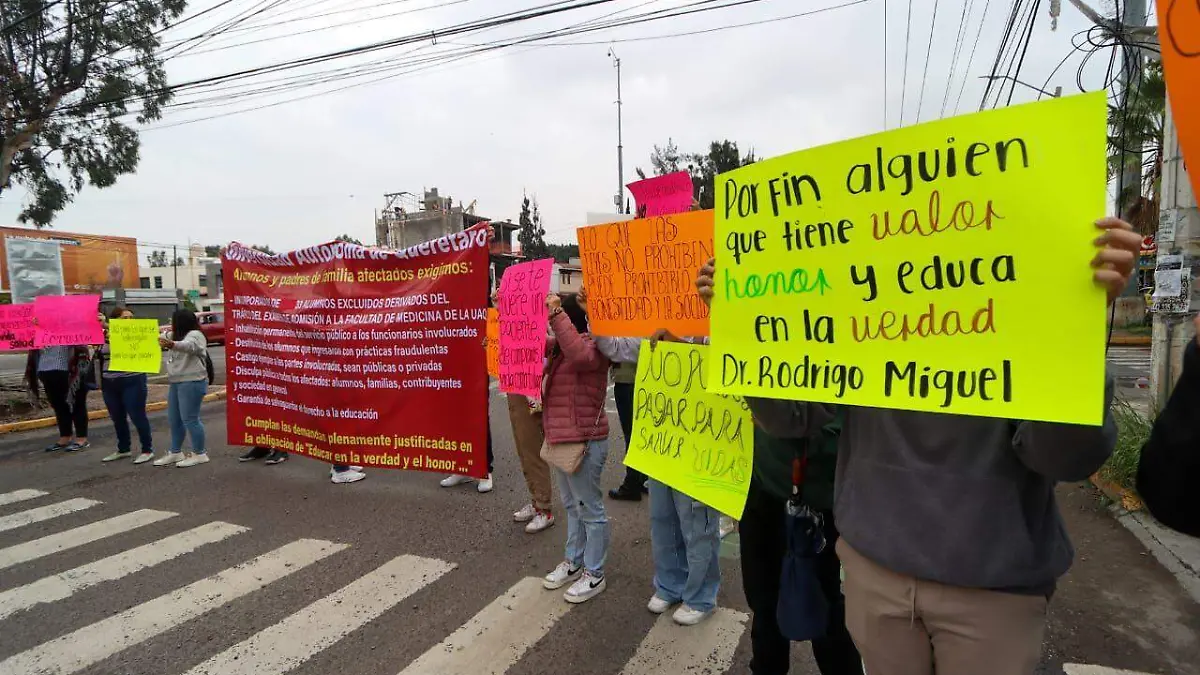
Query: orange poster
[493,342]
[640,274]
[90,263]
[1179,35]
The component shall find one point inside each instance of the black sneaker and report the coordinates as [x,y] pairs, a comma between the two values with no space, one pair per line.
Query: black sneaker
[77,446]
[277,457]
[254,453]
[625,494]
[56,447]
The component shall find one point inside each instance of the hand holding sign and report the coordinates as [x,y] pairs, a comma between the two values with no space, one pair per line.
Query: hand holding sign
[134,346]
[16,327]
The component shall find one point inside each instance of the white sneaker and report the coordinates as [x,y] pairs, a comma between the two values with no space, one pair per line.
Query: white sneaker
[115,457]
[193,459]
[350,476]
[657,605]
[454,480]
[686,616]
[485,485]
[541,521]
[356,468]
[585,589]
[144,457]
[561,576]
[526,514]
[168,459]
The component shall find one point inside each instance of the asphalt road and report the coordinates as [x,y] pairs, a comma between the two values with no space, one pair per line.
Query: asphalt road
[12,365]
[397,575]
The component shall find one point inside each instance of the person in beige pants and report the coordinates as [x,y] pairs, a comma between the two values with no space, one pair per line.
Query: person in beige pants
[526,423]
[951,537]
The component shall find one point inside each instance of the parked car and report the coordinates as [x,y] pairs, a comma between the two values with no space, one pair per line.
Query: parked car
[212,324]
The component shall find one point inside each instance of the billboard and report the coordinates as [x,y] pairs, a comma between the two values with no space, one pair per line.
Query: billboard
[89,263]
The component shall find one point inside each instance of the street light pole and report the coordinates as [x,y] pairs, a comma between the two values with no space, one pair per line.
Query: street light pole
[619,198]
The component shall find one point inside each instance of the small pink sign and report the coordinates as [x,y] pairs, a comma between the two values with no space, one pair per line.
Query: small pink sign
[663,195]
[16,327]
[524,321]
[67,320]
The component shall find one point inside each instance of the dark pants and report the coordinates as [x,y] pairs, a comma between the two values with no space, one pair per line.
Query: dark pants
[491,456]
[763,542]
[71,418]
[623,395]
[125,398]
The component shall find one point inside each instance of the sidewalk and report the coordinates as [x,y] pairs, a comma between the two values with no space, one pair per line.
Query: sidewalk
[45,418]
[1119,606]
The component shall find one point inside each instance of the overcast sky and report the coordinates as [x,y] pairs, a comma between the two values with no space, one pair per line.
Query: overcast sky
[536,119]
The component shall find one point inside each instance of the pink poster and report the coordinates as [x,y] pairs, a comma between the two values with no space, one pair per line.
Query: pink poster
[67,320]
[662,195]
[523,325]
[16,327]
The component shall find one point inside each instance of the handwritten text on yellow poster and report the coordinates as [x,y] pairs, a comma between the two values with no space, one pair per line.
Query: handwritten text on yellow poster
[133,344]
[942,267]
[695,441]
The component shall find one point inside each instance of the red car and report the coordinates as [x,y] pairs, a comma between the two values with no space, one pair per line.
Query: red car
[212,324]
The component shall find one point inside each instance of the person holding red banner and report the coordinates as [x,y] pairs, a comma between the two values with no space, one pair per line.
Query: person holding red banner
[576,428]
[64,373]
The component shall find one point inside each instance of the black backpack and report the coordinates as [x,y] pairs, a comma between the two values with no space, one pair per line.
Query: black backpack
[208,367]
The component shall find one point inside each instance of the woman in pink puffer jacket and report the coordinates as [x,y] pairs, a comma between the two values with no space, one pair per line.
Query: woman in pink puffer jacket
[575,388]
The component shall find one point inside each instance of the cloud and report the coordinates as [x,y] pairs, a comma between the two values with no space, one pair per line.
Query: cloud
[535,119]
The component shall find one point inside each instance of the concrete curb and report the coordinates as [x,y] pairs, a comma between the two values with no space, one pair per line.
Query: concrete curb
[1178,553]
[30,425]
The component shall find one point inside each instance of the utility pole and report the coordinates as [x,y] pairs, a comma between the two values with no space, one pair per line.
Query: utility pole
[175,264]
[619,199]
[1132,65]
[1178,241]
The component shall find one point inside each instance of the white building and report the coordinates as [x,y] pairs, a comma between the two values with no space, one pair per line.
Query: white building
[190,276]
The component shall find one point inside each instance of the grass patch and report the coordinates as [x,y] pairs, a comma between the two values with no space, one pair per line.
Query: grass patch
[1133,429]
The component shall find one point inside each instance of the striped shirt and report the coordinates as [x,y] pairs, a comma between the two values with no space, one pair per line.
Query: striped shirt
[55,358]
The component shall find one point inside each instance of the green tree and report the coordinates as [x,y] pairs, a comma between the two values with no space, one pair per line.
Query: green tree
[703,167]
[531,234]
[264,249]
[158,259]
[70,72]
[348,239]
[1135,137]
[213,251]
[562,253]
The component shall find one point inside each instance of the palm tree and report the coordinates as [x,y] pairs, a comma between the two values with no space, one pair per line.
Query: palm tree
[1135,137]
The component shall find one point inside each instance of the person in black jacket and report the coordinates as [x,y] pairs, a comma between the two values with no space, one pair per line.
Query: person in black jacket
[1170,464]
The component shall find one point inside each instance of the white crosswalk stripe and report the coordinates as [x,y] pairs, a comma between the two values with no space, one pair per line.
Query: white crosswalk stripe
[88,645]
[492,642]
[707,647]
[86,534]
[64,585]
[20,496]
[42,513]
[286,645]
[498,636]
[1080,669]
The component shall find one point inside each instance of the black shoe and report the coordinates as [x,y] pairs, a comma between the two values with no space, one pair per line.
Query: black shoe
[77,446]
[625,494]
[254,453]
[57,446]
[277,457]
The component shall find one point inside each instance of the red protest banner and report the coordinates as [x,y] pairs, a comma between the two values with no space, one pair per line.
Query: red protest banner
[361,356]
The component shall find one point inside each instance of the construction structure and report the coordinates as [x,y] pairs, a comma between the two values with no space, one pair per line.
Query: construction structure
[406,221]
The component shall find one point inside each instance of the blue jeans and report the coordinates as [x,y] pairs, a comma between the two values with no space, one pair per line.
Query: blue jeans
[686,539]
[587,523]
[183,410]
[125,398]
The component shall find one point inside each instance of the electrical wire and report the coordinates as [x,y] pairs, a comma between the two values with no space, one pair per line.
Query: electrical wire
[925,74]
[904,78]
[959,43]
[971,59]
